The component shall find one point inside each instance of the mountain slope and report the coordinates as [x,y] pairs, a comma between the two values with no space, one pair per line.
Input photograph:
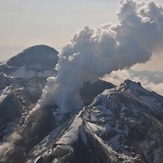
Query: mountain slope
[117,125]
[22,79]
[121,125]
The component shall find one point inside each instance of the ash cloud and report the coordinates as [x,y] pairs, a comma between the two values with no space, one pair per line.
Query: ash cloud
[94,52]
[7,148]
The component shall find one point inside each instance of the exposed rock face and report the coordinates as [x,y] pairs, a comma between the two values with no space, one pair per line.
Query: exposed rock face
[37,56]
[122,124]
[90,90]
[22,79]
[4,81]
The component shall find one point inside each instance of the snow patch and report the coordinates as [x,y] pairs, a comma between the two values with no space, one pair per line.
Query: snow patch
[3,62]
[4,93]
[96,128]
[71,135]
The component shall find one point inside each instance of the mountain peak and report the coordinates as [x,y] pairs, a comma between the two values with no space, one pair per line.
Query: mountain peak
[38,54]
[130,84]
[133,87]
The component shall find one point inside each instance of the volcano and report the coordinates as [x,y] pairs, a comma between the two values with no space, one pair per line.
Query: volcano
[117,124]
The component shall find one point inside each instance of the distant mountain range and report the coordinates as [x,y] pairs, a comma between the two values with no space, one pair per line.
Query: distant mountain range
[118,124]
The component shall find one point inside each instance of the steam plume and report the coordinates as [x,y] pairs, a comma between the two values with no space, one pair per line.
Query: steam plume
[92,53]
[8,146]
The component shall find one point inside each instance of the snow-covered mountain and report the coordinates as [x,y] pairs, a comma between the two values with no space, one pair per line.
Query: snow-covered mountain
[22,79]
[117,125]
[123,124]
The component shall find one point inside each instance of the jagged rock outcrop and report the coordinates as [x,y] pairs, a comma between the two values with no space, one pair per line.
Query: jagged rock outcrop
[117,125]
[90,90]
[122,124]
[38,56]
[22,79]
[4,81]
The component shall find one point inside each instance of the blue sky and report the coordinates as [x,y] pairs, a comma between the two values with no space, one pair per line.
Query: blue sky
[51,22]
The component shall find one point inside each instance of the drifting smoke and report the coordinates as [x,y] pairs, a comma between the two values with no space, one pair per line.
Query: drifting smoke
[92,53]
[7,147]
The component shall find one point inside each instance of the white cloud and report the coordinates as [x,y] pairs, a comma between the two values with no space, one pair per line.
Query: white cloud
[152,81]
[7,147]
[92,53]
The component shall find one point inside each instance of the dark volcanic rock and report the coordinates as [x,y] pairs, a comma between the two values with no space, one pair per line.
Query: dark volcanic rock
[4,81]
[90,90]
[42,55]
[121,125]
[9,109]
[22,79]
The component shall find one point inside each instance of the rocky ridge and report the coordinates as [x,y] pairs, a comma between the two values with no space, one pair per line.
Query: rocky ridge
[117,125]
[22,79]
[121,125]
